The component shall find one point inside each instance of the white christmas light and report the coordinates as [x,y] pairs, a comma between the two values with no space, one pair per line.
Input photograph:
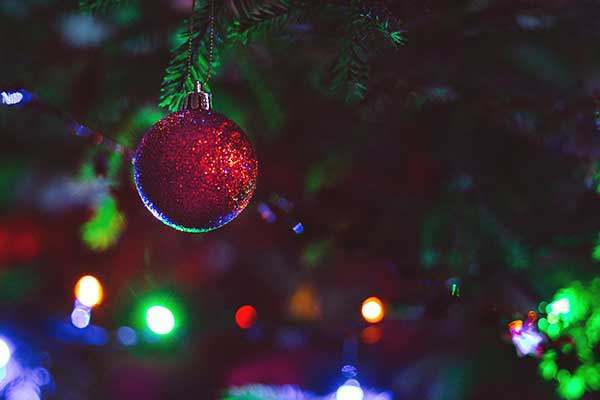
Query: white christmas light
[350,390]
[4,354]
[11,98]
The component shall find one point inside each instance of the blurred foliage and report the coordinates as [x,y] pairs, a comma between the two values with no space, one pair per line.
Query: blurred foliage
[366,23]
[18,284]
[10,173]
[105,227]
[462,236]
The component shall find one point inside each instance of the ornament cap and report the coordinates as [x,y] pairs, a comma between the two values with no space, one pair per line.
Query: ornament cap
[199,99]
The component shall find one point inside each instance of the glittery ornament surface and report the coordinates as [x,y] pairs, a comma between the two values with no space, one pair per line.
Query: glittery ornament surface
[195,170]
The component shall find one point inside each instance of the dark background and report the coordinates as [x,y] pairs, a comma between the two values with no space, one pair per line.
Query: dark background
[471,159]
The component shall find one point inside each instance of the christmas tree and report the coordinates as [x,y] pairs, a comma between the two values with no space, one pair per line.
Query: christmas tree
[299,199]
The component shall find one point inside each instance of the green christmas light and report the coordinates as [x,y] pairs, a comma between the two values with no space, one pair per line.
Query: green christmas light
[548,369]
[573,322]
[572,388]
[562,306]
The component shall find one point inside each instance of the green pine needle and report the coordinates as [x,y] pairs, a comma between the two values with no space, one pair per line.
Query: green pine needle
[99,6]
[351,69]
[177,82]
[252,18]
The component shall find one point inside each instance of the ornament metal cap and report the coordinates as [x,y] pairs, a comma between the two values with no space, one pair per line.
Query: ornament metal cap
[198,99]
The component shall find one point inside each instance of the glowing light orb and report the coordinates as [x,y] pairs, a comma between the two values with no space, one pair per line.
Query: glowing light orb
[80,317]
[11,98]
[298,228]
[350,391]
[245,317]
[372,310]
[160,320]
[562,306]
[88,291]
[4,353]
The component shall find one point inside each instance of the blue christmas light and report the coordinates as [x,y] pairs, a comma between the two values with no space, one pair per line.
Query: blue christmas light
[4,354]
[127,336]
[14,98]
[266,213]
[80,317]
[298,228]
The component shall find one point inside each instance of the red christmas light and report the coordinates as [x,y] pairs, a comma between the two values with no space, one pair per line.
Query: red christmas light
[245,317]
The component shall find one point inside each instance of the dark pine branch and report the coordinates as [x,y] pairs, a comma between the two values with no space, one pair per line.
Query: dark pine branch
[177,81]
[367,21]
[99,6]
[250,17]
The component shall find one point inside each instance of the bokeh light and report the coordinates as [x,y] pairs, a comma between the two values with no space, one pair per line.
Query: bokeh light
[304,304]
[11,98]
[372,310]
[127,336]
[4,353]
[266,213]
[371,334]
[572,327]
[80,317]
[160,320]
[298,228]
[515,326]
[561,306]
[23,391]
[88,291]
[41,376]
[245,316]
[350,390]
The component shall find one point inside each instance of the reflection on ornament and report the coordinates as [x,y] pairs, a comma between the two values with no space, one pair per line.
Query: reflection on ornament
[195,170]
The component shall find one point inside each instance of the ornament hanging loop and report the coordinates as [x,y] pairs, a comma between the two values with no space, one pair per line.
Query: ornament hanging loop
[199,99]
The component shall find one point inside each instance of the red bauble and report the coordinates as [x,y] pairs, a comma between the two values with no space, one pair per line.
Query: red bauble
[195,170]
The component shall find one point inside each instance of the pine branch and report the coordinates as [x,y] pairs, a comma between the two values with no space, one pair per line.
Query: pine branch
[351,69]
[376,20]
[366,22]
[244,18]
[98,6]
[250,17]
[177,82]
